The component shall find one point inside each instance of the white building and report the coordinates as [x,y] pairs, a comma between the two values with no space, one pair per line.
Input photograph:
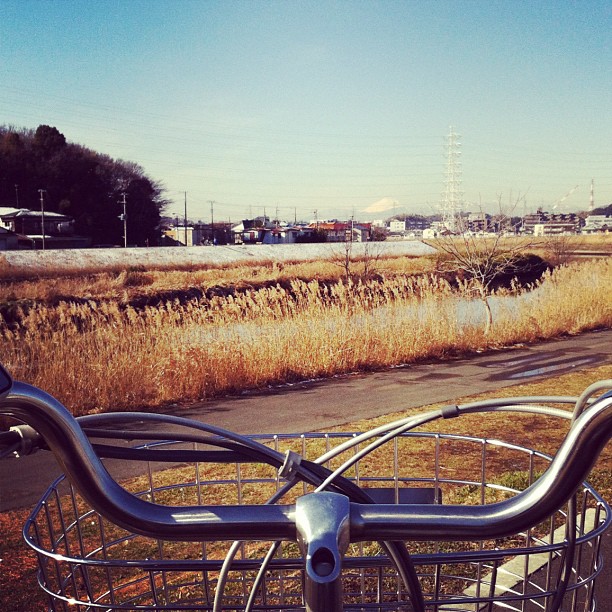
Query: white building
[553,229]
[280,235]
[597,223]
[7,210]
[396,226]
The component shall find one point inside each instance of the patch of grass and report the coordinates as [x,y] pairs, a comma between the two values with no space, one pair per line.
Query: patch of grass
[19,590]
[102,284]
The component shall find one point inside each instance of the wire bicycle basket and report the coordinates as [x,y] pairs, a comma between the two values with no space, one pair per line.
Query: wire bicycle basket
[86,561]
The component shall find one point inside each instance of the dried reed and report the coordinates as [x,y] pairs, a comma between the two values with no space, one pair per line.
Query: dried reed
[101,356]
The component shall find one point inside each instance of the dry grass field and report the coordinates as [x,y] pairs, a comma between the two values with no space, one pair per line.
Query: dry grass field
[124,283]
[87,343]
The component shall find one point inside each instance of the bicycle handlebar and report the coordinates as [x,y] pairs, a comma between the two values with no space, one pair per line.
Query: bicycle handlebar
[588,435]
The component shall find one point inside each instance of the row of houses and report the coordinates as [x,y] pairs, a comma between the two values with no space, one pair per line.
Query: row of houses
[27,229]
[263,231]
[539,223]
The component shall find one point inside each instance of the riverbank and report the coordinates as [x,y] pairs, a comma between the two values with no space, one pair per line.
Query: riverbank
[102,357]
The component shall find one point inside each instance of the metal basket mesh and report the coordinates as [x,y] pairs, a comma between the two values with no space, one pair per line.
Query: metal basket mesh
[84,560]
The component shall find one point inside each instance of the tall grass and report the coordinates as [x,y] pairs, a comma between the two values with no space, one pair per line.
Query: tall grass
[96,357]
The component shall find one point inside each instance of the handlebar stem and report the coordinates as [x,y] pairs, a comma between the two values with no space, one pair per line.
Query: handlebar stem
[323,530]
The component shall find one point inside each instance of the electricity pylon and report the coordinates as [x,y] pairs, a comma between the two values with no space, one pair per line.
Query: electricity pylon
[452,200]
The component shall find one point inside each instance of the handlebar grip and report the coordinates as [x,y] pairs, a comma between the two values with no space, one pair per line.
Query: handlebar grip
[79,461]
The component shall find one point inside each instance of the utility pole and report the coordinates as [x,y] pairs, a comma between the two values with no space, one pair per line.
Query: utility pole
[212,220]
[123,217]
[42,213]
[316,219]
[16,195]
[185,218]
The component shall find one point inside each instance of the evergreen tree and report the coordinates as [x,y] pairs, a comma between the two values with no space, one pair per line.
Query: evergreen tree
[81,183]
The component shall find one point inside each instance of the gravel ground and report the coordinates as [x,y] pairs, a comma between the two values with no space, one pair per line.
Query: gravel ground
[76,259]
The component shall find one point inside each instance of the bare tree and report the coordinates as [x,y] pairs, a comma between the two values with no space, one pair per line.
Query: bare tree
[363,261]
[373,254]
[562,248]
[479,260]
[344,258]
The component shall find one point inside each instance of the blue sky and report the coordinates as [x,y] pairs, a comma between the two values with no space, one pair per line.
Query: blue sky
[327,106]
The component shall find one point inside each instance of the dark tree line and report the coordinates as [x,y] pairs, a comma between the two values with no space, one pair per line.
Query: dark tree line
[603,210]
[81,183]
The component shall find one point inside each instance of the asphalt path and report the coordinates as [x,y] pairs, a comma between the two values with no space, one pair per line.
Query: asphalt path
[317,405]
